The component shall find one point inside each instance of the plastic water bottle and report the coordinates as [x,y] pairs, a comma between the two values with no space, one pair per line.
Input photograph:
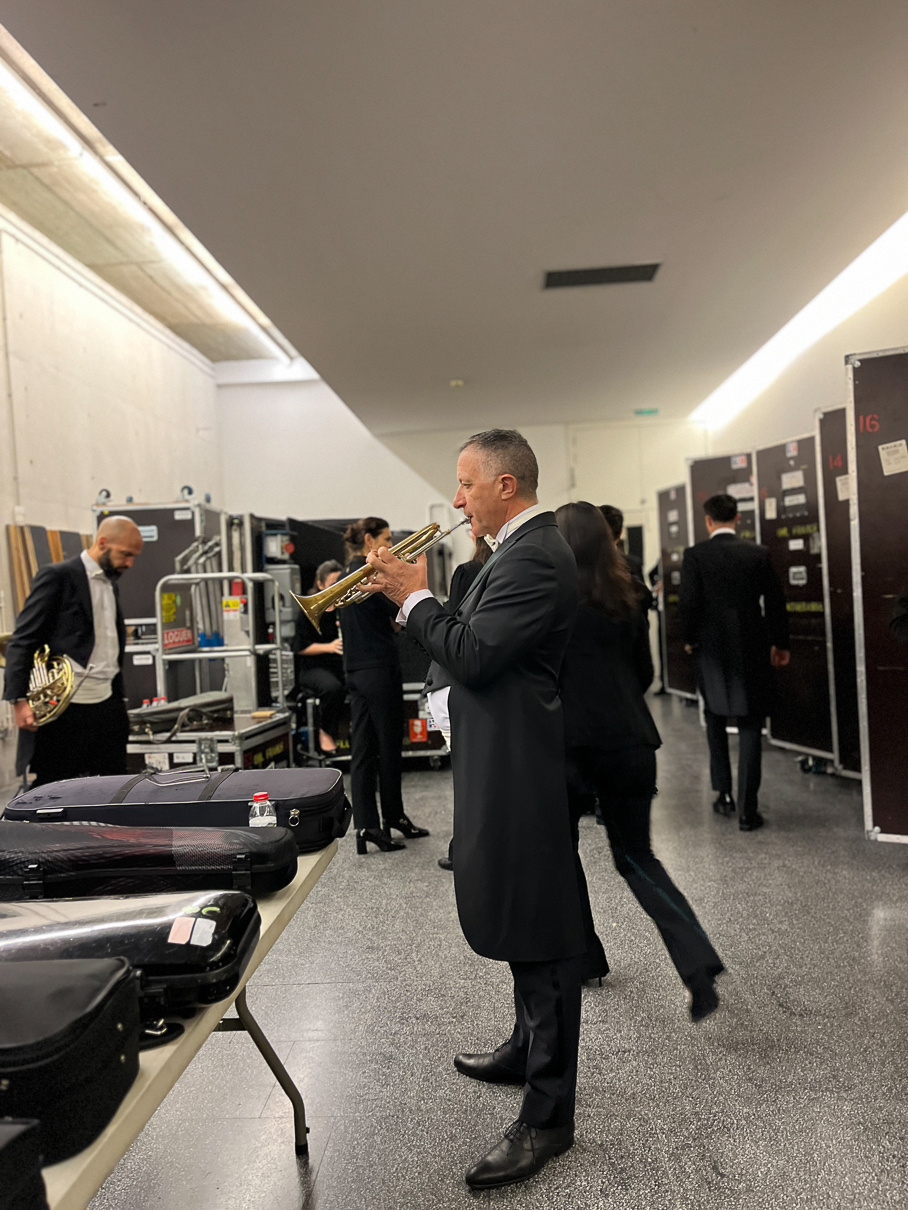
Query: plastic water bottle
[261,812]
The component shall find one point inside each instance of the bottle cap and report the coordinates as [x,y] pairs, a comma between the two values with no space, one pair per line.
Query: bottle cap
[261,796]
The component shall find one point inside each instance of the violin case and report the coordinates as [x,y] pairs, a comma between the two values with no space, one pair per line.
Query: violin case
[60,861]
[310,802]
[21,1182]
[69,1047]
[189,950]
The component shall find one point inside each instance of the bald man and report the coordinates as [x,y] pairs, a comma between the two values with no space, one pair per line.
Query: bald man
[74,609]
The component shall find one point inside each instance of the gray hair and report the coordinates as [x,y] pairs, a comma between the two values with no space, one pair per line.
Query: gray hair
[507,452]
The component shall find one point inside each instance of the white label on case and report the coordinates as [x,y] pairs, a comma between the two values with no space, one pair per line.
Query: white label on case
[843,487]
[769,508]
[797,576]
[149,533]
[894,457]
[791,480]
[796,544]
[202,931]
[793,501]
[182,514]
[183,758]
[672,515]
[144,657]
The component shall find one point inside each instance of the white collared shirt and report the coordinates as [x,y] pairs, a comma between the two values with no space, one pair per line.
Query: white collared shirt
[438,701]
[105,656]
[723,529]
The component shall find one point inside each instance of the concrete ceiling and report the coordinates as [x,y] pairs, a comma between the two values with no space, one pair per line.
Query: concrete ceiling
[390,180]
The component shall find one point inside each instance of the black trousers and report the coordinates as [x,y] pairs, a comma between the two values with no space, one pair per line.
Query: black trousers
[546,1039]
[85,741]
[330,693]
[750,757]
[625,782]
[376,737]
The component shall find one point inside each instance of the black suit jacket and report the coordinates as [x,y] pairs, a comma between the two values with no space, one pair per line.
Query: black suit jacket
[514,873]
[58,613]
[464,577]
[723,581]
[607,669]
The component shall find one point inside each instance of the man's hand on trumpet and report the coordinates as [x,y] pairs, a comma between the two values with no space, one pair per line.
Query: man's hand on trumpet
[393,577]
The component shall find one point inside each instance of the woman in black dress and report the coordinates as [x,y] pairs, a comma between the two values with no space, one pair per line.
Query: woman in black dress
[375,686]
[612,742]
[320,663]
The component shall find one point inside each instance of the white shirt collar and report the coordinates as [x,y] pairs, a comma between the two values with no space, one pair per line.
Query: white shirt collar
[724,529]
[515,522]
[93,568]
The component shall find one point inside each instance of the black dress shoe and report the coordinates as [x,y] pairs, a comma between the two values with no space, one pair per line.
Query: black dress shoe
[407,827]
[724,805]
[381,840]
[594,964]
[519,1154]
[488,1068]
[750,823]
[446,863]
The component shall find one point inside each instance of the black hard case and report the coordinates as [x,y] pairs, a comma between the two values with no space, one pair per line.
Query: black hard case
[69,1047]
[60,861]
[310,802]
[188,949]
[21,1182]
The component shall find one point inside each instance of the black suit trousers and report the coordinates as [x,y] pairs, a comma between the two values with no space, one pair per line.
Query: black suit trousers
[85,741]
[625,782]
[546,1039]
[376,737]
[750,757]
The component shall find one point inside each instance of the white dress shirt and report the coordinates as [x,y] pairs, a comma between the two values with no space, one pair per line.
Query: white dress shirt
[723,529]
[438,700]
[105,656]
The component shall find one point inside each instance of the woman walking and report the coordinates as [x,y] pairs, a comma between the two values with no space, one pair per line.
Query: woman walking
[612,742]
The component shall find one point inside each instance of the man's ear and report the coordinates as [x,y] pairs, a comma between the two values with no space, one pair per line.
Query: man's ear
[508,487]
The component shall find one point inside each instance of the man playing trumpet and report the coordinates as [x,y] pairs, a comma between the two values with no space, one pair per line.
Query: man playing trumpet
[494,684]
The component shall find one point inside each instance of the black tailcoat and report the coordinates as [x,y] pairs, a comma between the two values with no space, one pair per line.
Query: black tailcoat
[723,581]
[501,652]
[58,612]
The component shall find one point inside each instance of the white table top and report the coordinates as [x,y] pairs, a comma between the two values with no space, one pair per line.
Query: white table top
[72,1183]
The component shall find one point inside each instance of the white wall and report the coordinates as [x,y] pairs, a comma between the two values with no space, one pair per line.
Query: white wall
[293,449]
[93,393]
[817,379]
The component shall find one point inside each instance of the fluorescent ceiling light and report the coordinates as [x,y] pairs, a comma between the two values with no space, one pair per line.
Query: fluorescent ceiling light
[172,250]
[875,270]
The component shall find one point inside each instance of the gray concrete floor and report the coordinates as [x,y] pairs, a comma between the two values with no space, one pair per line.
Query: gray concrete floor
[792,1095]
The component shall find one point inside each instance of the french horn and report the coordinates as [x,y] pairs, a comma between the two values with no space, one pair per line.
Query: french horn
[51,683]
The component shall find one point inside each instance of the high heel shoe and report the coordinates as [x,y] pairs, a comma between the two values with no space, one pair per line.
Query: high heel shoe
[381,840]
[407,827]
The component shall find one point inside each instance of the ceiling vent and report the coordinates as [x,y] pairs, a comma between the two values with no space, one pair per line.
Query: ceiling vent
[612,275]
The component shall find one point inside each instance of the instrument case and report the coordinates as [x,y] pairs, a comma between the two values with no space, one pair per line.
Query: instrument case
[188,949]
[69,1047]
[57,861]
[21,1182]
[310,802]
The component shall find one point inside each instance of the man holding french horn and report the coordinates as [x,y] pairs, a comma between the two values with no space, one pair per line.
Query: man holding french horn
[69,704]
[494,684]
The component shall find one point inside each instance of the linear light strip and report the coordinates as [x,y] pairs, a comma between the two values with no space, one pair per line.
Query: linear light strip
[171,248]
[875,270]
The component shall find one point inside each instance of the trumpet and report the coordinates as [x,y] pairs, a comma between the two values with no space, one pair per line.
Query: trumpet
[347,591]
